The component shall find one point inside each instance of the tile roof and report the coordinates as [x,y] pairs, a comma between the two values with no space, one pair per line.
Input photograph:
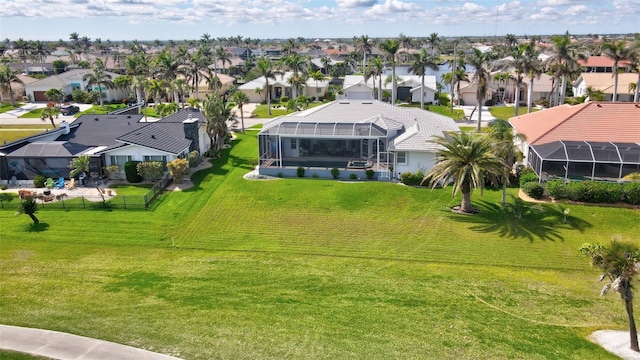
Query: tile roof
[156,136]
[605,81]
[600,61]
[102,130]
[592,121]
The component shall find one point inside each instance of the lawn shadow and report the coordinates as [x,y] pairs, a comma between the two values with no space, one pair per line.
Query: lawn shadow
[41,226]
[521,220]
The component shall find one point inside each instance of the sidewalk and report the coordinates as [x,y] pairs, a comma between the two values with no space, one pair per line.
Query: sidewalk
[486,115]
[63,346]
[13,117]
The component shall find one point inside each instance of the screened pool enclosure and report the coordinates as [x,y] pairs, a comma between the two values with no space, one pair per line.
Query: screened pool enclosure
[583,160]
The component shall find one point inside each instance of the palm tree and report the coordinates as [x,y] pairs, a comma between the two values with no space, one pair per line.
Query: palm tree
[317,76]
[532,68]
[23,47]
[481,63]
[30,207]
[99,78]
[503,77]
[123,82]
[8,76]
[167,67]
[364,45]
[264,67]
[433,41]
[390,48]
[374,69]
[616,51]
[299,64]
[503,138]
[635,65]
[195,65]
[518,62]
[55,95]
[563,63]
[49,112]
[181,88]
[618,263]
[326,61]
[420,63]
[466,159]
[240,99]
[217,112]
[155,89]
[223,56]
[39,49]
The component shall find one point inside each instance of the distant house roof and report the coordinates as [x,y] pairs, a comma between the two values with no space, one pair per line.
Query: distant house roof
[605,81]
[601,61]
[281,79]
[61,80]
[413,81]
[592,121]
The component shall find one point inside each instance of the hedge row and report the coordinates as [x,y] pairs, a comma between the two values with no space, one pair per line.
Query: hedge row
[594,192]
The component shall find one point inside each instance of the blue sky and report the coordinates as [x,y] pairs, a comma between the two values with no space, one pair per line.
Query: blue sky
[189,19]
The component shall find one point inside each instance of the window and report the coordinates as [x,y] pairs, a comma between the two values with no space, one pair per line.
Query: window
[119,160]
[401,158]
[161,158]
[294,144]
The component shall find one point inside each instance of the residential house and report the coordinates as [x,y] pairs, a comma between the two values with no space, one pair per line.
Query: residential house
[604,82]
[408,88]
[594,140]
[602,64]
[17,89]
[352,136]
[69,81]
[281,87]
[107,140]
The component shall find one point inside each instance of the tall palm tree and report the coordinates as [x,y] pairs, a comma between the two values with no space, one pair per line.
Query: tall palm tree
[390,48]
[39,49]
[223,56]
[265,68]
[374,70]
[503,138]
[563,63]
[23,51]
[419,64]
[616,51]
[8,76]
[123,82]
[481,62]
[98,77]
[618,263]
[155,89]
[317,76]
[299,64]
[433,42]
[532,68]
[194,66]
[240,98]
[325,61]
[364,45]
[181,87]
[466,159]
[167,67]
[518,62]
[217,112]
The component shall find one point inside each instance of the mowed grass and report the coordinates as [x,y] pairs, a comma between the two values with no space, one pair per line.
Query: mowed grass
[9,133]
[262,111]
[507,112]
[101,110]
[304,268]
[456,114]
[4,107]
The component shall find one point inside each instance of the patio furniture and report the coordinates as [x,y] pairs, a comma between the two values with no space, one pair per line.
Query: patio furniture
[59,184]
[13,180]
[49,183]
[71,184]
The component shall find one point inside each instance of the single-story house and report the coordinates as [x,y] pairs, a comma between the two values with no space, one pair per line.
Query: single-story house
[594,140]
[499,90]
[108,140]
[226,83]
[18,89]
[69,81]
[281,87]
[408,87]
[353,136]
[604,82]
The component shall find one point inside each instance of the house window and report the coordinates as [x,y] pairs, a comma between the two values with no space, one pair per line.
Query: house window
[401,158]
[161,158]
[119,160]
[294,144]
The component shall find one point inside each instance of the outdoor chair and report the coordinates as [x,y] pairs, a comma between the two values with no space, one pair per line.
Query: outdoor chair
[13,180]
[71,184]
[59,184]
[49,183]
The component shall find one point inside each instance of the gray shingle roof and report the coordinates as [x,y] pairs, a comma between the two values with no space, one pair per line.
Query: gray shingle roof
[154,136]
[102,130]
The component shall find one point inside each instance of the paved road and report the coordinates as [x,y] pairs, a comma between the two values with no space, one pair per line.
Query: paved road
[13,117]
[63,346]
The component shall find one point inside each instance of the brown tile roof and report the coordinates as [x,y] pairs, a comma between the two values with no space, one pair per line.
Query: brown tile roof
[592,121]
[601,61]
[605,81]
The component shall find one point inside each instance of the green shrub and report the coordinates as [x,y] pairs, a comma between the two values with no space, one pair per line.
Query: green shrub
[578,191]
[533,189]
[370,174]
[528,177]
[489,102]
[280,175]
[413,179]
[151,170]
[631,193]
[194,158]
[300,171]
[602,192]
[38,181]
[335,173]
[525,170]
[556,189]
[131,172]
[3,187]
[353,176]
[315,175]
[179,168]
[79,96]
[284,99]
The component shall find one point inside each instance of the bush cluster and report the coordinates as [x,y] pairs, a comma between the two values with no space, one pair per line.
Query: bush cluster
[131,172]
[533,189]
[300,171]
[528,177]
[414,179]
[151,170]
[38,181]
[594,191]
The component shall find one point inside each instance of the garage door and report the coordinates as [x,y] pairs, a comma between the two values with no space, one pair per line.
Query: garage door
[39,96]
[359,95]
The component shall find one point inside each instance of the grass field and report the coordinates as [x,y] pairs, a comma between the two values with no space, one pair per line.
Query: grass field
[305,268]
[4,107]
[261,111]
[10,133]
[101,110]
[507,112]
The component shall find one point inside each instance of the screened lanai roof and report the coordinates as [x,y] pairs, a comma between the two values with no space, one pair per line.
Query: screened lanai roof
[354,129]
[584,151]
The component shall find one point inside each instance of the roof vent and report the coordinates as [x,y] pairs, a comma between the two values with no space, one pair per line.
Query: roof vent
[599,105]
[95,118]
[153,136]
[128,116]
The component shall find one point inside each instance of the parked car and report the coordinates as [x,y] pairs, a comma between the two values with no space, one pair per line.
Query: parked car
[69,109]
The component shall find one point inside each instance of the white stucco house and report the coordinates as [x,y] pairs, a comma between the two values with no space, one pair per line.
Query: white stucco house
[281,87]
[408,88]
[353,136]
[69,81]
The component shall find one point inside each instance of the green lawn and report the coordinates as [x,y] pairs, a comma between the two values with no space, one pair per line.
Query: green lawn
[12,355]
[304,268]
[4,107]
[507,112]
[33,114]
[101,110]
[261,111]
[10,133]
[457,114]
